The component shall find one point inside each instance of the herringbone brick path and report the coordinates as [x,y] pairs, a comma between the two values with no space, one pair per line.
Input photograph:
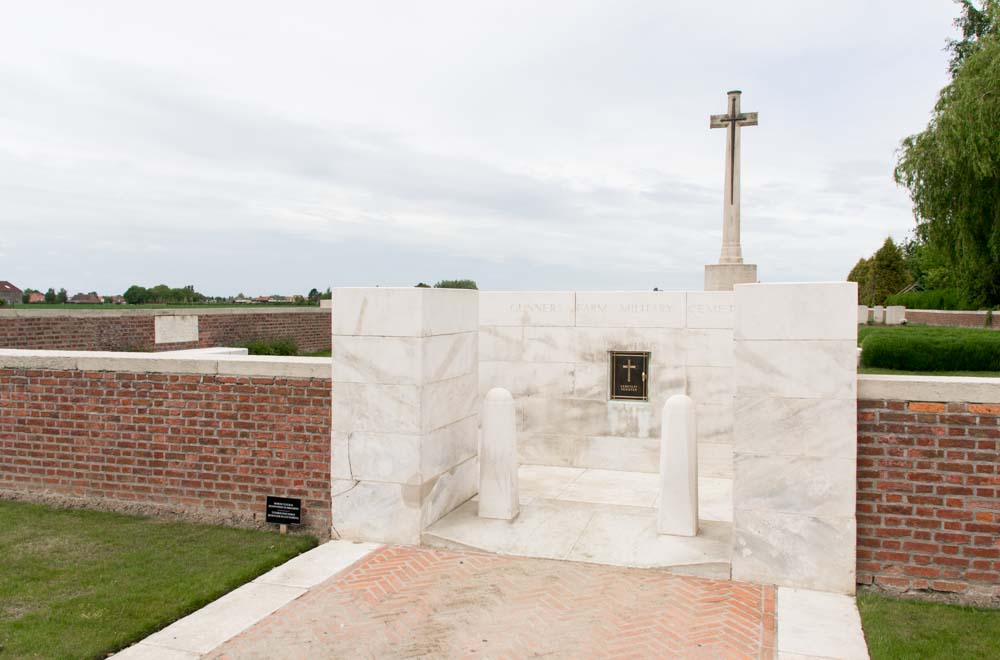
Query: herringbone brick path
[415,602]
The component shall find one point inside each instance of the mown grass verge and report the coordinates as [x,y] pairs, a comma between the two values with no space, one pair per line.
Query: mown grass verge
[82,584]
[896,629]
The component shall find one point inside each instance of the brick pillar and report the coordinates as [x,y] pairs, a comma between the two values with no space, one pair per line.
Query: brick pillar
[405,398]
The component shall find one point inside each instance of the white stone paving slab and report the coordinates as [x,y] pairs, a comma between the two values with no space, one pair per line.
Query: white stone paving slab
[318,565]
[223,619]
[545,481]
[819,624]
[613,487]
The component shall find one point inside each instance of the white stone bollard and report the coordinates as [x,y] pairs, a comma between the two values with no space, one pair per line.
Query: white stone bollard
[678,468]
[498,457]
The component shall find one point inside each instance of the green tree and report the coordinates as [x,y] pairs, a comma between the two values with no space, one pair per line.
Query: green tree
[26,294]
[861,273]
[952,168]
[50,296]
[422,285]
[62,297]
[456,284]
[313,296]
[136,295]
[881,275]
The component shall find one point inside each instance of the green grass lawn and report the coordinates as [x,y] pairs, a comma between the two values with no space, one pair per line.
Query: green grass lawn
[318,354]
[897,629]
[81,584]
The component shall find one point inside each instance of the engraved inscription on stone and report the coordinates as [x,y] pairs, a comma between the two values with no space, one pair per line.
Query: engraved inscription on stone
[629,375]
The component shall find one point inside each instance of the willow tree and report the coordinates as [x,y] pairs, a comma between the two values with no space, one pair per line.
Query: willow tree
[952,168]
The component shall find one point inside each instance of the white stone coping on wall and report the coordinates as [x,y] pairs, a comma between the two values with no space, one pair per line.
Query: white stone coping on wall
[949,311]
[957,389]
[167,363]
[24,311]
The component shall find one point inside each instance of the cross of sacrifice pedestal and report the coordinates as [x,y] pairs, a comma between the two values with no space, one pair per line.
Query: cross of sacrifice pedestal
[734,120]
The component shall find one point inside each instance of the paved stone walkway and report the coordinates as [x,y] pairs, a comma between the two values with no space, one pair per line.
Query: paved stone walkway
[412,602]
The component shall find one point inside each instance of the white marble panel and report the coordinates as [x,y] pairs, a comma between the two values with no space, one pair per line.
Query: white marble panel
[449,490]
[564,416]
[710,385]
[590,381]
[807,369]
[550,344]
[404,312]
[383,408]
[381,360]
[631,419]
[449,311]
[715,423]
[527,379]
[805,485]
[501,343]
[715,460]
[448,356]
[796,427]
[631,309]
[547,449]
[448,401]
[797,311]
[340,464]
[711,309]
[665,380]
[446,447]
[175,329]
[393,457]
[665,344]
[708,348]
[394,312]
[794,550]
[528,308]
[377,511]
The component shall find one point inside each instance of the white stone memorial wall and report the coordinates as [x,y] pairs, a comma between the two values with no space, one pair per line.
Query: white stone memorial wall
[405,406]
[795,435]
[550,350]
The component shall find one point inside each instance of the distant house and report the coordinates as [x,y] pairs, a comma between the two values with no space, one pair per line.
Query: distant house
[36,297]
[86,298]
[117,300]
[9,293]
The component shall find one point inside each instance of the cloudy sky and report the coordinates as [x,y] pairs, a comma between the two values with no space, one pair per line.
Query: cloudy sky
[271,147]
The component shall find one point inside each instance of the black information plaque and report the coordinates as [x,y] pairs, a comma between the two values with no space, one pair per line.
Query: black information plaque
[284,510]
[629,378]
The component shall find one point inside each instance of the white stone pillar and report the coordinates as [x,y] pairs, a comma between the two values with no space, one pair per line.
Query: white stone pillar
[498,496]
[795,435]
[678,468]
[405,398]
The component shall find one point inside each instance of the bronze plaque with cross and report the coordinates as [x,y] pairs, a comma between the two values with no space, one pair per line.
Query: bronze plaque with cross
[629,377]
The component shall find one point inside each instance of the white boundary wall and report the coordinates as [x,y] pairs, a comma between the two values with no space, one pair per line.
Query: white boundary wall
[550,350]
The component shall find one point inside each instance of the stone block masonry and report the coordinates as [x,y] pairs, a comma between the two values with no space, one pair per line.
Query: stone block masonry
[136,329]
[203,446]
[928,506]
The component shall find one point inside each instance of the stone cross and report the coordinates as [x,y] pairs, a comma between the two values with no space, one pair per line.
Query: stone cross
[734,121]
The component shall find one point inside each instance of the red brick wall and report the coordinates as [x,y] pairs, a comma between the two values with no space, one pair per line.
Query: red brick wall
[928,507]
[207,447]
[950,319]
[309,330]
